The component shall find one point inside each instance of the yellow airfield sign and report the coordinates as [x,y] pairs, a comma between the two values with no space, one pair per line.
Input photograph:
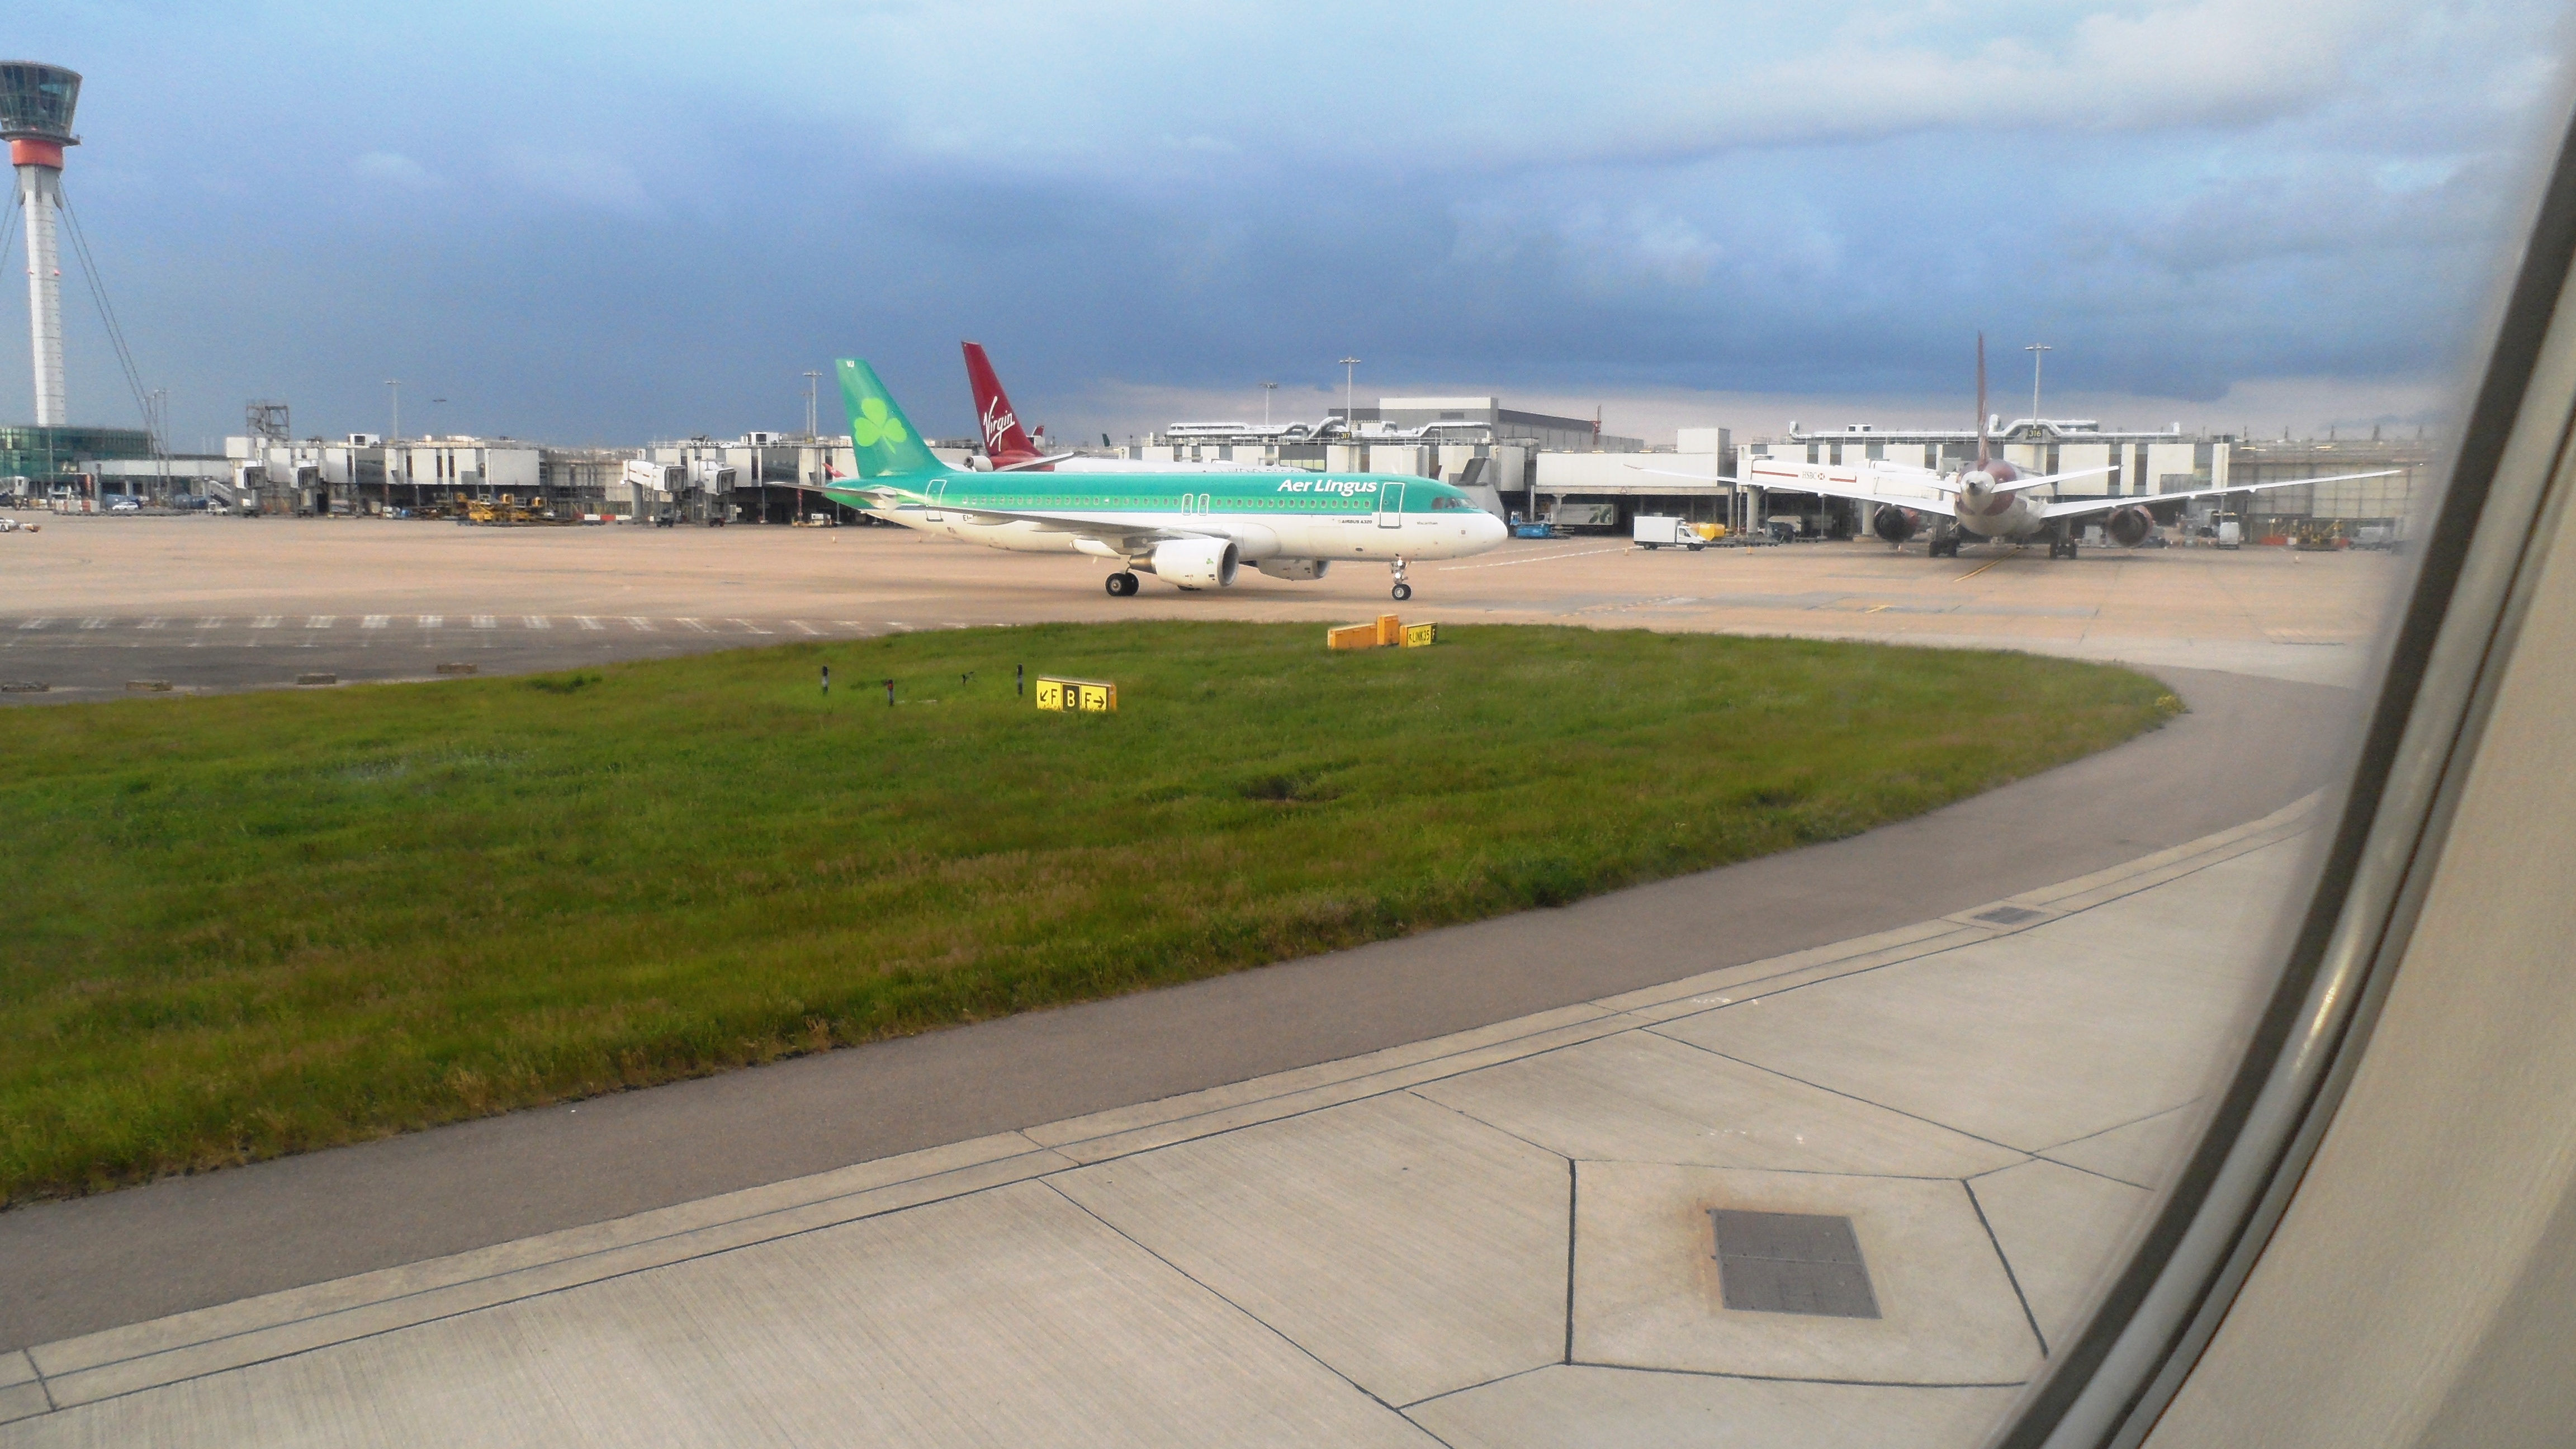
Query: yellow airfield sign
[1091,695]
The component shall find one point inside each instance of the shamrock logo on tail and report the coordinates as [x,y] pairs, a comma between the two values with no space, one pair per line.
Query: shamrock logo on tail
[872,426]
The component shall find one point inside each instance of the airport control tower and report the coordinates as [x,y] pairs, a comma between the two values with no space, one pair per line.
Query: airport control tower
[36,104]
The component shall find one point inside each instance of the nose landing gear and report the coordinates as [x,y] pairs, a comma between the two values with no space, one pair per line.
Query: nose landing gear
[1402,590]
[1122,585]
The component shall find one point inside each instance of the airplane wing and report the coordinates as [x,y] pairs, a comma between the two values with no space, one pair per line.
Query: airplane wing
[1857,483]
[1027,463]
[1125,534]
[2021,484]
[2073,506]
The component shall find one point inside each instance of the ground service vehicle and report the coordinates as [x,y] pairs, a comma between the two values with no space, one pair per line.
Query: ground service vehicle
[1650,531]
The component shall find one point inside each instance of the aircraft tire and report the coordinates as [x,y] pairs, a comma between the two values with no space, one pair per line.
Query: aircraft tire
[1403,592]
[1122,585]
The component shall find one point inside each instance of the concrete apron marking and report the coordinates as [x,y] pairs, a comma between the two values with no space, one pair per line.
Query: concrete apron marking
[1542,558]
[1990,563]
[139,1357]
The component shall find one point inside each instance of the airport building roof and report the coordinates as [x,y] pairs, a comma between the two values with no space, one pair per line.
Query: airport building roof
[1470,419]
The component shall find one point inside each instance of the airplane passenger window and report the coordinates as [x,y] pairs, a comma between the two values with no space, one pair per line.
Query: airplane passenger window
[1949,844]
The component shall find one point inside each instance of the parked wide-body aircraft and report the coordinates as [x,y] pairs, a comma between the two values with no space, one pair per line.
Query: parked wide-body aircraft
[1192,530]
[1009,448]
[1991,499]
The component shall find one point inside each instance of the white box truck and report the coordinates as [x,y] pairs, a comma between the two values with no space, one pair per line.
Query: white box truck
[1653,532]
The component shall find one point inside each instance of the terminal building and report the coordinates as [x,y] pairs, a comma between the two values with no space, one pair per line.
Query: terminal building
[1474,443]
[1520,464]
[43,462]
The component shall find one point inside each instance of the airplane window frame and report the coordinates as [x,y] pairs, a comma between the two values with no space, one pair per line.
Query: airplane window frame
[2436,685]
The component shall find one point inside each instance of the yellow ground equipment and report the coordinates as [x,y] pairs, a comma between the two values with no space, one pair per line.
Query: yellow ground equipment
[1387,633]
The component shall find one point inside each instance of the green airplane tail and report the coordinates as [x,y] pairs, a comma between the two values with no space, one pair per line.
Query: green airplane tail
[882,439]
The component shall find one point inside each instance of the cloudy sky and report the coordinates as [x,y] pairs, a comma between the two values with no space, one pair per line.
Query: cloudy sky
[601,223]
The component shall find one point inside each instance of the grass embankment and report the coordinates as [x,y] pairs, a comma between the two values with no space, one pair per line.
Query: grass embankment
[255,924]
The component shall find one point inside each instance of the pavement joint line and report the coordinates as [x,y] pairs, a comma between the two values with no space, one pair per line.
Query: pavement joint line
[1212,1291]
[1233,1096]
[2042,1156]
[2026,1160]
[1542,558]
[1573,1206]
[104,1367]
[1407,1409]
[2116,1126]
[1212,1112]
[2166,875]
[1643,1368]
[1435,1104]
[1848,1097]
[1265,1111]
[51,1383]
[2010,1276]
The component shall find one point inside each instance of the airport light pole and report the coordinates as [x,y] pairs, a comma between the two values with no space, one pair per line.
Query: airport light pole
[811,377]
[2038,354]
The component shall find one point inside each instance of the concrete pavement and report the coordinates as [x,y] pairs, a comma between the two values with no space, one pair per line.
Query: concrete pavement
[216,603]
[1497,1237]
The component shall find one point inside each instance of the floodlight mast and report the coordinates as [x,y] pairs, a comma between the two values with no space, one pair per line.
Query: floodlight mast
[2038,354]
[36,103]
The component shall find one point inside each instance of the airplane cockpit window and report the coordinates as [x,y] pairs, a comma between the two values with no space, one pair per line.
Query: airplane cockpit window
[1951,842]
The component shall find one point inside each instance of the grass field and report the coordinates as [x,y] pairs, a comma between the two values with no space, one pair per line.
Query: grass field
[254,924]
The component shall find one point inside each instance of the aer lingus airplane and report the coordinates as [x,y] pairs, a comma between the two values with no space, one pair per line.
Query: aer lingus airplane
[1192,530]
[1991,499]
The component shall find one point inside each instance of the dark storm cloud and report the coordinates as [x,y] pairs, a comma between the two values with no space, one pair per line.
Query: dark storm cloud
[584,224]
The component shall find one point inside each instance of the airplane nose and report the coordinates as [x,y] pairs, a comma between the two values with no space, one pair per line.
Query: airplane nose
[1489,530]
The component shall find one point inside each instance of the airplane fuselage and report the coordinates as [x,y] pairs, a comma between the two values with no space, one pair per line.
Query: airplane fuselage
[1981,508]
[1290,514]
[1987,513]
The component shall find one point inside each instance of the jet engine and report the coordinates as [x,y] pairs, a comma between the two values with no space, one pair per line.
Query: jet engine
[1294,568]
[1894,524]
[1196,563]
[2131,526]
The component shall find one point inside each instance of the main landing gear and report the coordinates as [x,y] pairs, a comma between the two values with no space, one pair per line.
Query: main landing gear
[1944,544]
[1122,585]
[1403,590]
[2061,545]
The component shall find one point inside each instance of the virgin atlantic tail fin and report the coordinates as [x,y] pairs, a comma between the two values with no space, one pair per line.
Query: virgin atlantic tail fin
[1981,403]
[1005,441]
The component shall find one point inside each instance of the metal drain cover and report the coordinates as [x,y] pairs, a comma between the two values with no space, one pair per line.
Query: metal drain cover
[2009,915]
[1792,1263]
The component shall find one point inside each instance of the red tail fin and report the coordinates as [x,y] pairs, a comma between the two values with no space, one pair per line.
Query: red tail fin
[1005,441]
[1981,402]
